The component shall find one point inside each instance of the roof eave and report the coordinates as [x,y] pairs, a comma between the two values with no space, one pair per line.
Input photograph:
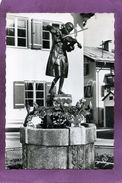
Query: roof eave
[100,60]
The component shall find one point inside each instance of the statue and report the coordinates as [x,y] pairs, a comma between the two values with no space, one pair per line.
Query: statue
[57,65]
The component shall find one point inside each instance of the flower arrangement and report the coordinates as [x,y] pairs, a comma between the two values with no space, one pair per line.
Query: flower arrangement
[57,116]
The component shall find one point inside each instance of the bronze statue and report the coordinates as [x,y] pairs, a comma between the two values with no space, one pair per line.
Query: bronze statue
[57,65]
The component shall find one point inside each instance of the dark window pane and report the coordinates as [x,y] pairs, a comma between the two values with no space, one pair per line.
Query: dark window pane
[28,94]
[22,23]
[40,102]
[109,80]
[10,41]
[46,44]
[21,32]
[10,23]
[46,35]
[39,86]
[21,42]
[29,102]
[10,32]
[39,94]
[28,86]
[111,98]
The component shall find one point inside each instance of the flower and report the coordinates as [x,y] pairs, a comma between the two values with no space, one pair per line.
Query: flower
[57,116]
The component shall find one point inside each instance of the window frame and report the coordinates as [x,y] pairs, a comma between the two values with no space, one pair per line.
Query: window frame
[50,38]
[40,46]
[34,98]
[16,27]
[50,41]
[8,28]
[35,92]
[29,32]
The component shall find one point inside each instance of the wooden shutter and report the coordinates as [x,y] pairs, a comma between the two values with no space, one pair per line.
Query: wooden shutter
[88,91]
[36,34]
[19,94]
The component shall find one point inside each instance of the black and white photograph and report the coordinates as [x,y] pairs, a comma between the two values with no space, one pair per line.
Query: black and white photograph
[59,91]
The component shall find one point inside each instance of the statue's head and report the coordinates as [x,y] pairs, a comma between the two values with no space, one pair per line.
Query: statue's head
[67,27]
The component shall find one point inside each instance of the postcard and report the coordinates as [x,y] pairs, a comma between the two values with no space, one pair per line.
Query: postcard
[60,92]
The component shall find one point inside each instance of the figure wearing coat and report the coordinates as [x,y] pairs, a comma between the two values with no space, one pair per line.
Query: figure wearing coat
[57,64]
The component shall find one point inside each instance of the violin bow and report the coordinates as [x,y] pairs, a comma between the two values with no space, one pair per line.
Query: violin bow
[74,32]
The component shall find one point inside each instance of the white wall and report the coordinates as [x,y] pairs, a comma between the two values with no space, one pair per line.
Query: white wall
[100,28]
[109,102]
[26,64]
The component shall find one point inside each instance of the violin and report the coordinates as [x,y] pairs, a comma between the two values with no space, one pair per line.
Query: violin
[67,40]
[69,43]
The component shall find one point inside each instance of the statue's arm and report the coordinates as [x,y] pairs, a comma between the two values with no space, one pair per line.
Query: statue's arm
[51,29]
[72,41]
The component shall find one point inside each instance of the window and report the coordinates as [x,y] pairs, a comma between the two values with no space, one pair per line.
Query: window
[45,36]
[40,94]
[111,98]
[109,80]
[16,32]
[22,32]
[10,32]
[29,93]
[88,92]
[34,93]
[41,37]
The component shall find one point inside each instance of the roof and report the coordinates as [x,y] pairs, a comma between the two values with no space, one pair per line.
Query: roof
[99,55]
[107,95]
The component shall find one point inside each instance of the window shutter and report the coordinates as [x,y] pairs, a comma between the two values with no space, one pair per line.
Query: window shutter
[19,96]
[36,34]
[88,91]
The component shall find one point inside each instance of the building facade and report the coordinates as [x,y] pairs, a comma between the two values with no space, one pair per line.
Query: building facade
[98,81]
[28,45]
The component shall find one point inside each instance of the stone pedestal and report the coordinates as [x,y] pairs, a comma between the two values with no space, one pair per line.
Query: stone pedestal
[71,148]
[59,99]
[63,99]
